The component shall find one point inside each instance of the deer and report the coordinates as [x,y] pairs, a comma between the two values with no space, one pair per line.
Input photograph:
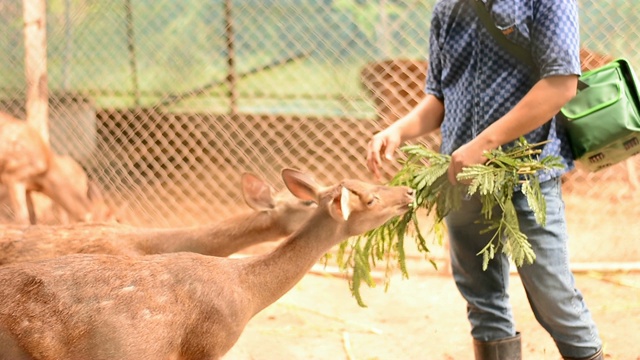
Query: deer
[100,210]
[28,164]
[272,216]
[48,212]
[183,305]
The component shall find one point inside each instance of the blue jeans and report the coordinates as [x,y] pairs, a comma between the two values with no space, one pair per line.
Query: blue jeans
[548,282]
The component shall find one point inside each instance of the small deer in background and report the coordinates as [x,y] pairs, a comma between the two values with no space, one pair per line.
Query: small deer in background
[27,164]
[175,306]
[46,211]
[100,210]
[273,216]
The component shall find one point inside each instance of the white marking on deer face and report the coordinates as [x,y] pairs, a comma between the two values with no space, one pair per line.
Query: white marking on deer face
[344,203]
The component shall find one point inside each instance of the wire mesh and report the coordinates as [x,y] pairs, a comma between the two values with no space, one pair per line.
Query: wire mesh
[166,103]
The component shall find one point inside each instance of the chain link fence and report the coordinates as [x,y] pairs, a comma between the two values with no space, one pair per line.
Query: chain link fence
[166,103]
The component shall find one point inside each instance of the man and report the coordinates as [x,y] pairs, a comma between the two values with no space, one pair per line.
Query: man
[482,97]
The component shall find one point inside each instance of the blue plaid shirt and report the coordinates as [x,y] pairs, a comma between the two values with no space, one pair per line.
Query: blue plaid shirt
[479,81]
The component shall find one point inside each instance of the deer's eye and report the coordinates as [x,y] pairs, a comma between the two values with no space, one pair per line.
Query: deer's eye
[308,203]
[372,200]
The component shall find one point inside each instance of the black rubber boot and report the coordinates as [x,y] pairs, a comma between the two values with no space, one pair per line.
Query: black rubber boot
[503,349]
[597,356]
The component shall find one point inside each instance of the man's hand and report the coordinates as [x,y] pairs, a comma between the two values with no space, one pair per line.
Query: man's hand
[471,153]
[423,118]
[383,144]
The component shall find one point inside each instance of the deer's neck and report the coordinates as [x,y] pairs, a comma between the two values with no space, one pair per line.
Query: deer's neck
[221,239]
[270,276]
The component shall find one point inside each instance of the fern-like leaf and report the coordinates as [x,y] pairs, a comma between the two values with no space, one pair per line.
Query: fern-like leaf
[426,171]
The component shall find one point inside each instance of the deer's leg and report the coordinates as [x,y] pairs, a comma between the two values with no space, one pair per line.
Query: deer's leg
[18,200]
[31,208]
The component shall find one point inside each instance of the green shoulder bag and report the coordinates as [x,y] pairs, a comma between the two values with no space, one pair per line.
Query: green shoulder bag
[603,119]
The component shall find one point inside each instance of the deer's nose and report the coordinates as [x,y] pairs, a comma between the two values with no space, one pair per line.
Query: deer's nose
[410,192]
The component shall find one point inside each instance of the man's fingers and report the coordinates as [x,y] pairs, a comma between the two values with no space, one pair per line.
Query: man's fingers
[379,147]
[390,148]
[451,174]
[373,156]
[373,167]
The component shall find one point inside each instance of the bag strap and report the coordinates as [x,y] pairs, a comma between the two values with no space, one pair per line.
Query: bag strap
[521,53]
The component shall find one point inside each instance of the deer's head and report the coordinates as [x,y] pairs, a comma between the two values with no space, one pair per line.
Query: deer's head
[359,205]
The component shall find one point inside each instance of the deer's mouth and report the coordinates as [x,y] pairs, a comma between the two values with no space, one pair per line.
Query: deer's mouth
[405,205]
[410,198]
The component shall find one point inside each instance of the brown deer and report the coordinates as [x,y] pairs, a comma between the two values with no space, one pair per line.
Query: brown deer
[273,217]
[100,210]
[48,212]
[27,164]
[175,306]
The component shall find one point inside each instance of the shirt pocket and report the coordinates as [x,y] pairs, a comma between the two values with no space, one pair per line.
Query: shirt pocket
[511,17]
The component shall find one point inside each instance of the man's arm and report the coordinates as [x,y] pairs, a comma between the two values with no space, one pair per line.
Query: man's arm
[542,102]
[422,119]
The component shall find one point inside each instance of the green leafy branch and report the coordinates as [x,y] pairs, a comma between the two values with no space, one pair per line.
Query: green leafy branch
[425,170]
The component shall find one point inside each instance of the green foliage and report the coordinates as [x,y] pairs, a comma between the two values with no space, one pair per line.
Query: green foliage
[493,182]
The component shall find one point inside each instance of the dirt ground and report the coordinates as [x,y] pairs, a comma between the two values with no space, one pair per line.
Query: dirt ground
[422,317]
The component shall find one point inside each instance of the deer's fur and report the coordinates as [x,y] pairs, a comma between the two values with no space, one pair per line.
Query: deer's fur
[273,216]
[175,306]
[100,211]
[28,164]
[43,210]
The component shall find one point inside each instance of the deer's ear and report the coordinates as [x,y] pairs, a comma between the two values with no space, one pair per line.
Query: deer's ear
[257,193]
[340,208]
[301,185]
